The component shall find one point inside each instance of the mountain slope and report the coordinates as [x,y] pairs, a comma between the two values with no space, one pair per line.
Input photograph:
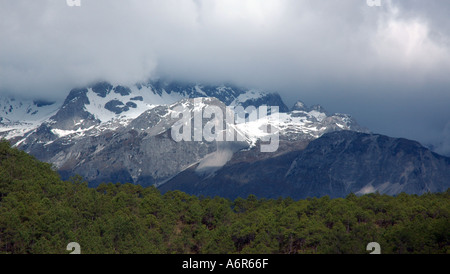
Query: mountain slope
[343,162]
[112,133]
[115,133]
[18,116]
[40,214]
[335,164]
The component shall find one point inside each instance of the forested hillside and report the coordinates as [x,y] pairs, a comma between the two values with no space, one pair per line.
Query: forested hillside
[40,213]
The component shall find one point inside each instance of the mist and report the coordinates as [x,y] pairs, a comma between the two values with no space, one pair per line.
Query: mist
[387,66]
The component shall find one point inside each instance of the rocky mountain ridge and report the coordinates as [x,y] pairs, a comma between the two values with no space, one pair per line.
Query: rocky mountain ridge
[115,133]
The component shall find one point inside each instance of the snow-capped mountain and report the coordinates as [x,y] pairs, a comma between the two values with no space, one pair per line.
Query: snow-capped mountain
[305,124]
[81,135]
[18,116]
[103,106]
[116,133]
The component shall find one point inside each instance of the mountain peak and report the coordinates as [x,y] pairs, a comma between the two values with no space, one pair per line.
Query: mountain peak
[318,108]
[109,132]
[300,106]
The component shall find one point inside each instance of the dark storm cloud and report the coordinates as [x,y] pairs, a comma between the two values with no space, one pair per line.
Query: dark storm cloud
[387,66]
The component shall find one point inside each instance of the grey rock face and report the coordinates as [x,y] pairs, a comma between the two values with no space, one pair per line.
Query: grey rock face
[109,133]
[225,93]
[335,164]
[342,162]
[118,107]
[137,98]
[271,99]
[299,105]
[73,113]
[42,103]
[122,90]
[102,88]
[141,152]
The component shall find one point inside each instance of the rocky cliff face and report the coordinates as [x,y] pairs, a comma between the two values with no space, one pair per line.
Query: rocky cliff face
[115,133]
[343,162]
[110,133]
[335,164]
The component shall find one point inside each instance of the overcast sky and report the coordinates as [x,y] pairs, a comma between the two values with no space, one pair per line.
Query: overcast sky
[387,66]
